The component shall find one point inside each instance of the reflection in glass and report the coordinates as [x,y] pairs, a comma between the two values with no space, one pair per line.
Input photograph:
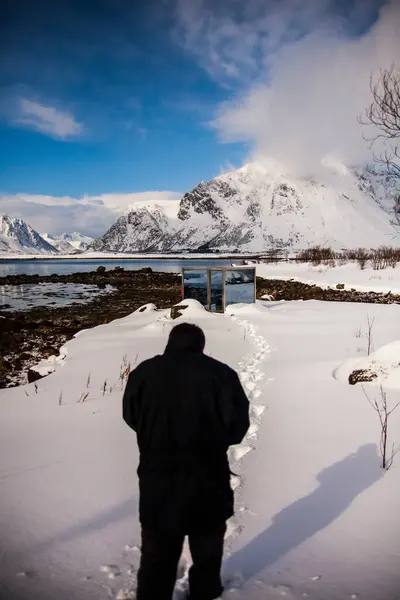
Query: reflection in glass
[239,286]
[217,304]
[195,285]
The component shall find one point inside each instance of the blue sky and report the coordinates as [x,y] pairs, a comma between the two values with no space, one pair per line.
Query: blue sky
[126,96]
[140,101]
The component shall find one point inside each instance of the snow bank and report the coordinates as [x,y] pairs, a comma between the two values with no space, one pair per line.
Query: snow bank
[367,280]
[383,365]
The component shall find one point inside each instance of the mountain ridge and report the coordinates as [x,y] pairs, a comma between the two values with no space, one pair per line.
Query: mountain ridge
[259,207]
[17,237]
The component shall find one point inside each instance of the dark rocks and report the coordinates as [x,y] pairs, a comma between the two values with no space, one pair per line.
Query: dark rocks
[4,365]
[340,286]
[296,290]
[177,311]
[113,277]
[33,376]
[101,269]
[361,375]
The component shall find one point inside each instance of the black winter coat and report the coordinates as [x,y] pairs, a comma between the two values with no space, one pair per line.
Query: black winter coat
[186,409]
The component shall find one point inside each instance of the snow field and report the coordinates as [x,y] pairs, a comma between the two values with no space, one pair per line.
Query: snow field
[316,517]
[366,280]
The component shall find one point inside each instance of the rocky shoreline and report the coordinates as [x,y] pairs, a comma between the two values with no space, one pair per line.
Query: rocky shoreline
[296,290]
[28,336]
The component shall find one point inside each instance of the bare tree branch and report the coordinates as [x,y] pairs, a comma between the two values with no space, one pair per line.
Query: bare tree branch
[381,408]
[383,115]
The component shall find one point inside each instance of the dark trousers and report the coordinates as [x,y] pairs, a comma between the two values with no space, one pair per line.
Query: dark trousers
[160,558]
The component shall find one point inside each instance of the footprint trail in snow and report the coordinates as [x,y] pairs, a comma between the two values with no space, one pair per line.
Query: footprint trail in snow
[251,376]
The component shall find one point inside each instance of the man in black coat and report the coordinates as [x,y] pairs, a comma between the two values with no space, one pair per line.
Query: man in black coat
[187,409]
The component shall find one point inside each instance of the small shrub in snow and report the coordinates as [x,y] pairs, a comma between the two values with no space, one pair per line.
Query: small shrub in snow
[384,257]
[317,255]
[381,258]
[83,397]
[362,258]
[124,370]
[381,407]
[368,335]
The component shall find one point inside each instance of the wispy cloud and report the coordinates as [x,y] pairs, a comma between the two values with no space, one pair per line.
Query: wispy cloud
[47,119]
[91,215]
[233,40]
[298,71]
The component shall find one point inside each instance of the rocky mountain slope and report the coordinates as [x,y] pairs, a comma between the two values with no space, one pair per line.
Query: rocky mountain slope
[258,207]
[77,240]
[143,227]
[62,246]
[17,237]
[68,243]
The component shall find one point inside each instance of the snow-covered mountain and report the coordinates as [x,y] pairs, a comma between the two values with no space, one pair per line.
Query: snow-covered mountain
[62,246]
[258,207]
[77,240]
[17,237]
[68,243]
[143,227]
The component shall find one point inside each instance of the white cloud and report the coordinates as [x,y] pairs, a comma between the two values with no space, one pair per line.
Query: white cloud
[232,39]
[302,75]
[47,119]
[90,215]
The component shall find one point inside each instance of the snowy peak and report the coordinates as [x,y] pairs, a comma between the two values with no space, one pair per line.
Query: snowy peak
[61,245]
[77,240]
[260,206]
[68,243]
[17,237]
[140,227]
[143,227]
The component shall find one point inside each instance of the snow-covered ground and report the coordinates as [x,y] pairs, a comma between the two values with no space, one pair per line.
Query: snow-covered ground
[316,516]
[385,280]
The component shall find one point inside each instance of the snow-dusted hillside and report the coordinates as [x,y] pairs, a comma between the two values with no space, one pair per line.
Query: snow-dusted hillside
[62,246]
[77,240]
[68,243]
[17,237]
[259,207]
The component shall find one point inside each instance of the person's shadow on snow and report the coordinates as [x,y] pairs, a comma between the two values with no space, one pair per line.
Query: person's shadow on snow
[339,485]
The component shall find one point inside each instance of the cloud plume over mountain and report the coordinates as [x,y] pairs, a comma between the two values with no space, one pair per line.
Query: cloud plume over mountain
[300,72]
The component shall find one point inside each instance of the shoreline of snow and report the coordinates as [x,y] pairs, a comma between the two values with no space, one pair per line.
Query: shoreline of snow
[366,280]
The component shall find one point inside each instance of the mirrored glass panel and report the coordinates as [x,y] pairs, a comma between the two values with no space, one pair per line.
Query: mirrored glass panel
[195,285]
[216,304]
[239,286]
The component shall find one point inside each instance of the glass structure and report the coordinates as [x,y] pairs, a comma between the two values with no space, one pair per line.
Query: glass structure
[216,288]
